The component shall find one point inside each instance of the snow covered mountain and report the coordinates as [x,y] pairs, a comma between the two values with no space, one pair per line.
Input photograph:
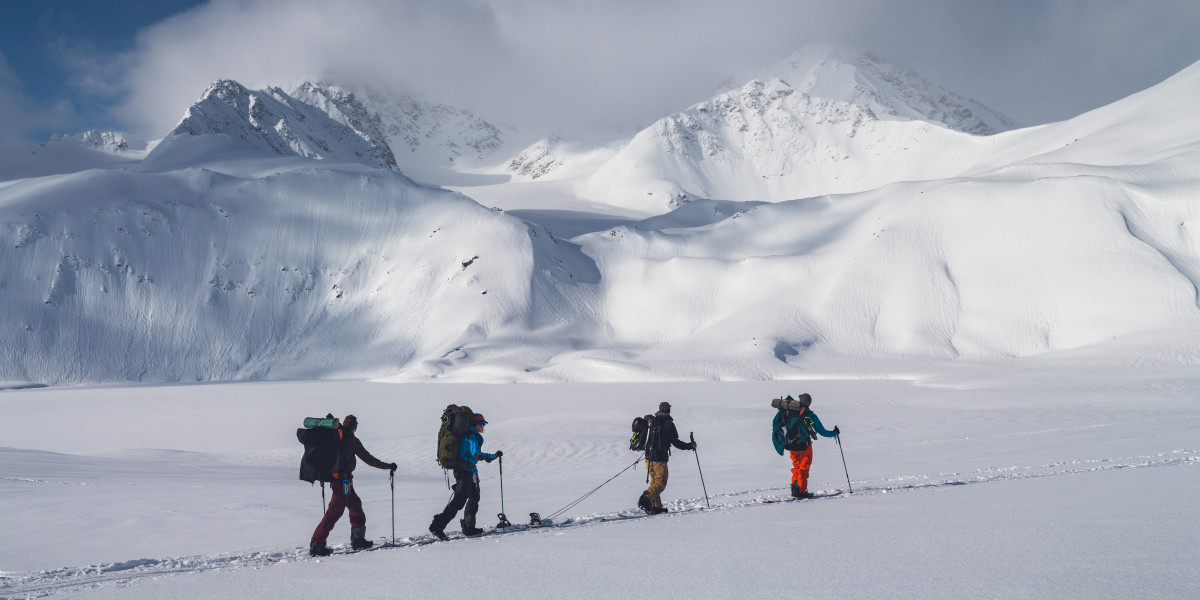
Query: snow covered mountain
[230,120]
[888,90]
[70,153]
[770,141]
[269,236]
[417,131]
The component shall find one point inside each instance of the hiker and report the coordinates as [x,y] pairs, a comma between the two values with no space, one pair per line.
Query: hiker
[796,429]
[344,494]
[660,437]
[466,482]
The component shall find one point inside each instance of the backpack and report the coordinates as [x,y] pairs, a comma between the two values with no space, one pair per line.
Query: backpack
[456,422]
[641,432]
[322,439]
[790,430]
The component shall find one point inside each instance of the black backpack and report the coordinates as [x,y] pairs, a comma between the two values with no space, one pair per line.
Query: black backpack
[645,430]
[456,421]
[790,430]
[322,439]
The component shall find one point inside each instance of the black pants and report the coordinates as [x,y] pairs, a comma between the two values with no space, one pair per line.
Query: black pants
[466,493]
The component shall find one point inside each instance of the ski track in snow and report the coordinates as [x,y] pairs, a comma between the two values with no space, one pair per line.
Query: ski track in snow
[55,582]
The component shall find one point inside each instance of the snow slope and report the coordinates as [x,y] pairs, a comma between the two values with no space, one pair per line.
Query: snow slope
[199,275]
[1042,481]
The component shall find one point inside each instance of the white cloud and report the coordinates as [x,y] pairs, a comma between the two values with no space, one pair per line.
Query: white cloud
[574,64]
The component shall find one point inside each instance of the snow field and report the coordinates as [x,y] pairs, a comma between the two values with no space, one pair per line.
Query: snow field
[1022,483]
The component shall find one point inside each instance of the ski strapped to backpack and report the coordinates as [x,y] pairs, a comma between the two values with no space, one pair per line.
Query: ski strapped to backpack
[456,422]
[790,430]
[322,439]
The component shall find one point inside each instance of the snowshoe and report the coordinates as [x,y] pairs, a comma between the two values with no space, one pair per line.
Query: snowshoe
[361,543]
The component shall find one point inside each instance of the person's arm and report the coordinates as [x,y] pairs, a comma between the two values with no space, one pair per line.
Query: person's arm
[678,443]
[362,453]
[817,427]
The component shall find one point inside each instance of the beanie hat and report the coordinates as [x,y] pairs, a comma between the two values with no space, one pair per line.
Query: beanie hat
[664,407]
[478,419]
[350,422]
[805,400]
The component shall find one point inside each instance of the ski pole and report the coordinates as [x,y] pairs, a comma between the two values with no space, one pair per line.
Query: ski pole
[503,519]
[838,437]
[392,483]
[693,437]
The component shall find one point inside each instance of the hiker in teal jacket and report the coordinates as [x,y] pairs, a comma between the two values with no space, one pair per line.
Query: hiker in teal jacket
[466,482]
[801,429]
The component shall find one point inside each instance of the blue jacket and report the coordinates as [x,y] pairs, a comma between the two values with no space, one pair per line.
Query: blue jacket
[470,451]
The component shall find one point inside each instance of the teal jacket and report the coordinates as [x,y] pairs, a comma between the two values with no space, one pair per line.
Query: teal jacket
[782,424]
[470,451]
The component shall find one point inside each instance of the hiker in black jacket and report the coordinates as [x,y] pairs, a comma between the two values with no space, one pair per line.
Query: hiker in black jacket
[344,494]
[660,436]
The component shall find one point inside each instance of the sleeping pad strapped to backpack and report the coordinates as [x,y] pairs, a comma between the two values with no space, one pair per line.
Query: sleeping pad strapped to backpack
[456,422]
[322,449]
[790,429]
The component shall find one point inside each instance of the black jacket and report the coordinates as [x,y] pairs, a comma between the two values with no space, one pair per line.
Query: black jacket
[352,449]
[661,437]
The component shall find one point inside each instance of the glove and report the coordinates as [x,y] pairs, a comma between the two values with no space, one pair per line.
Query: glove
[693,445]
[392,467]
[499,453]
[836,431]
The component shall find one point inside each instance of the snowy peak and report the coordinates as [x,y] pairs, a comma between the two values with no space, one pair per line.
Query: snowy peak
[416,130]
[888,90]
[268,122]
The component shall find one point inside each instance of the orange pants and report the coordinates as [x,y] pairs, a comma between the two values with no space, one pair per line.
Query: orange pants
[801,462]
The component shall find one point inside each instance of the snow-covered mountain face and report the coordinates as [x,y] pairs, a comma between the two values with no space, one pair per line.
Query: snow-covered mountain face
[108,141]
[769,141]
[230,119]
[417,131]
[888,90]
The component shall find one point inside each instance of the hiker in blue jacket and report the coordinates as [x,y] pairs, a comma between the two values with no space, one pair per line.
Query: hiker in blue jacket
[466,482]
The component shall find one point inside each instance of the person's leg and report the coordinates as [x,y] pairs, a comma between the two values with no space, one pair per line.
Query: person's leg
[462,492]
[802,462]
[472,507]
[658,482]
[337,505]
[358,518]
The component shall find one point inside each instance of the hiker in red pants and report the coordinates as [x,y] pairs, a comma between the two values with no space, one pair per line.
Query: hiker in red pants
[344,495]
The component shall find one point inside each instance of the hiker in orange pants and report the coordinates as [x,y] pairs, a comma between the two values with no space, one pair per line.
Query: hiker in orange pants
[794,431]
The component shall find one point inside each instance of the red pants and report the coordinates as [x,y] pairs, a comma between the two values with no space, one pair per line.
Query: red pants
[337,505]
[801,462]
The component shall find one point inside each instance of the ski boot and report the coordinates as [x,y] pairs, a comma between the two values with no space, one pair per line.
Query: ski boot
[658,510]
[468,526]
[315,550]
[358,538]
[644,503]
[438,529]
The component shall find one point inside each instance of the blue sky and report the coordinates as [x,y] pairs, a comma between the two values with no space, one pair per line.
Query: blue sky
[562,65]
[43,43]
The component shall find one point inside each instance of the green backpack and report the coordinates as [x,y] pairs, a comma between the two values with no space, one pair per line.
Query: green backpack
[456,422]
